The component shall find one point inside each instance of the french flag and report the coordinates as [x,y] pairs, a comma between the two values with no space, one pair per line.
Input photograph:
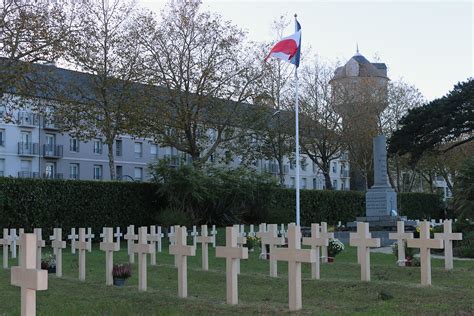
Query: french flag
[288,48]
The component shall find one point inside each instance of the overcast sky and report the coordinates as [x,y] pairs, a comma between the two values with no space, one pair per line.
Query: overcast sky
[427,43]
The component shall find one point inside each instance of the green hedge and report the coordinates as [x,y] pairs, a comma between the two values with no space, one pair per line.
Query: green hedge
[66,204]
[55,203]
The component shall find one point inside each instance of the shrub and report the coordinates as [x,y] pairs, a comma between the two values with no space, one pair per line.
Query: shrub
[420,206]
[122,271]
[172,216]
[464,190]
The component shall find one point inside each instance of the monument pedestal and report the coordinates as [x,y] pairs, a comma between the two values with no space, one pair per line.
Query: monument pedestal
[384,222]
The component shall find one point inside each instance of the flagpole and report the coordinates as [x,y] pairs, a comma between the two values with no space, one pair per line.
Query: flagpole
[297,149]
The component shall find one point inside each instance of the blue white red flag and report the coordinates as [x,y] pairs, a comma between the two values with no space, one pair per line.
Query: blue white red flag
[288,48]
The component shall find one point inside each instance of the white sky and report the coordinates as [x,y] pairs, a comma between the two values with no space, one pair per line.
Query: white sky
[427,43]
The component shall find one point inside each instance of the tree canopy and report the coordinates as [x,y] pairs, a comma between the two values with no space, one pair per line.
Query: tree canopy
[439,125]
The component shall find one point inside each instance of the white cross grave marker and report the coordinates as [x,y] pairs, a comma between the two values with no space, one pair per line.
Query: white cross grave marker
[58,245]
[153,238]
[89,237]
[241,241]
[181,251]
[282,230]
[5,242]
[117,235]
[109,246]
[448,236]
[160,236]
[213,234]
[21,232]
[14,239]
[262,229]
[233,254]
[130,236]
[315,241]
[252,231]
[401,236]
[28,277]
[425,243]
[194,234]
[271,238]
[205,239]
[72,237]
[82,245]
[142,248]
[295,256]
[40,243]
[325,234]
[363,240]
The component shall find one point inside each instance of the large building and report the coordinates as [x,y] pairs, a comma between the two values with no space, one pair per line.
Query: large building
[32,146]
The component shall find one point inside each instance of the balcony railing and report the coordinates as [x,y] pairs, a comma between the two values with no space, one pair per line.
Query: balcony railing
[52,151]
[28,149]
[28,174]
[54,175]
[27,119]
[50,124]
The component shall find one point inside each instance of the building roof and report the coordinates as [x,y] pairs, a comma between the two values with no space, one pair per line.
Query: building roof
[365,68]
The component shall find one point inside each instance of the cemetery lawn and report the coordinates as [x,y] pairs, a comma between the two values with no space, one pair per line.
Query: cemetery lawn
[393,290]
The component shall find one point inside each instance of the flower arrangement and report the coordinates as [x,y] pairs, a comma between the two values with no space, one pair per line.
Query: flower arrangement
[410,260]
[48,262]
[335,247]
[253,242]
[122,271]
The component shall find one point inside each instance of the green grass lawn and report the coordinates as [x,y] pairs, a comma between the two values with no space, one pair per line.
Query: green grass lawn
[393,290]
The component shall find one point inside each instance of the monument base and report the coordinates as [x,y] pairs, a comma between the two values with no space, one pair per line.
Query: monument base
[385,223]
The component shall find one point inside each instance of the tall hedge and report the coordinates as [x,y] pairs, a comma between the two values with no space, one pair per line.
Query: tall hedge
[56,203]
[421,205]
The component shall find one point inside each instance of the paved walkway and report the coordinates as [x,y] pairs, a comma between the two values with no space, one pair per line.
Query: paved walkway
[388,250]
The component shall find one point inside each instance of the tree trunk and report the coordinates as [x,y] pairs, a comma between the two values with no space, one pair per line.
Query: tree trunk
[110,147]
[281,173]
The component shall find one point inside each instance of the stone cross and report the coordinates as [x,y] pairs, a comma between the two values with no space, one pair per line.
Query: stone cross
[14,239]
[363,240]
[171,235]
[242,231]
[40,243]
[5,242]
[160,236]
[205,239]
[316,242]
[58,245]
[117,235]
[109,246]
[142,248]
[271,238]
[283,231]
[326,235]
[130,236]
[425,243]
[401,238]
[233,254]
[28,277]
[21,232]
[89,237]
[153,238]
[72,237]
[448,236]
[262,229]
[51,239]
[213,234]
[241,241]
[252,231]
[295,256]
[82,245]
[194,234]
[181,251]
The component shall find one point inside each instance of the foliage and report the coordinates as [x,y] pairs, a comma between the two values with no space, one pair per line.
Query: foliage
[409,252]
[335,247]
[48,261]
[54,203]
[174,216]
[444,120]
[253,242]
[122,271]
[465,247]
[420,205]
[464,190]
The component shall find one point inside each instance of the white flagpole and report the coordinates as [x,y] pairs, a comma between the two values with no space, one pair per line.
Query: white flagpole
[297,149]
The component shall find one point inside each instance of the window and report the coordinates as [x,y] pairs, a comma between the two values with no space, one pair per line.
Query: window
[304,164]
[292,165]
[292,182]
[343,185]
[138,150]
[74,171]
[74,145]
[118,172]
[334,167]
[304,183]
[118,147]
[97,146]
[138,174]
[2,137]
[2,167]
[154,151]
[334,184]
[315,183]
[97,172]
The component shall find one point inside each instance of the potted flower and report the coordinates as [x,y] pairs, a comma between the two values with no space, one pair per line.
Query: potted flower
[48,262]
[120,273]
[334,248]
[253,242]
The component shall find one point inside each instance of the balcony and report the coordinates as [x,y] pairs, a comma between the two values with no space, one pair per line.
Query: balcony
[26,119]
[344,173]
[49,175]
[28,174]
[50,124]
[28,149]
[52,151]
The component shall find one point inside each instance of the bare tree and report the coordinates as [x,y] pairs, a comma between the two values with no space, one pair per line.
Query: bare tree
[110,53]
[321,124]
[206,71]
